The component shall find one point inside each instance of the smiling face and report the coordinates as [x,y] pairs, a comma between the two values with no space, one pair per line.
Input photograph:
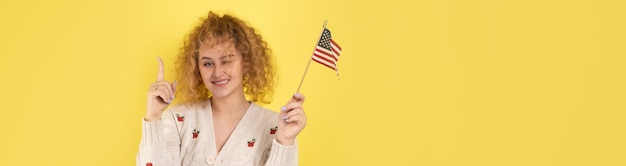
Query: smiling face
[221,69]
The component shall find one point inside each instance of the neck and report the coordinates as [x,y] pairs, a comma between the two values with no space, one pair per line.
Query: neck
[235,105]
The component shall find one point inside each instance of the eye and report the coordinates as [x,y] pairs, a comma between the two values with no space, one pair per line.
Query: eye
[226,62]
[208,64]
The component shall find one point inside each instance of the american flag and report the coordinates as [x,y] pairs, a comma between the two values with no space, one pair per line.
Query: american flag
[327,51]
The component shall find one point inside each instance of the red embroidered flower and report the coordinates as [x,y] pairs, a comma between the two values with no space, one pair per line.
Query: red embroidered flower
[251,142]
[195,133]
[180,118]
[273,130]
[148,164]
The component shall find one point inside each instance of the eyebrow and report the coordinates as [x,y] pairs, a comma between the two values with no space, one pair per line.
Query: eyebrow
[221,58]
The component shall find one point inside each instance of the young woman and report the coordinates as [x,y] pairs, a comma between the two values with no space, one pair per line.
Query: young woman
[222,62]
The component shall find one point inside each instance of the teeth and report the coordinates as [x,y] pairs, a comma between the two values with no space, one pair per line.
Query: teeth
[221,82]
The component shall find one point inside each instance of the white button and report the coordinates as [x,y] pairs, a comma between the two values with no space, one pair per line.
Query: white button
[210,160]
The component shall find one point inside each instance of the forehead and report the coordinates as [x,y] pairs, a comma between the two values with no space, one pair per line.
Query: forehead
[217,49]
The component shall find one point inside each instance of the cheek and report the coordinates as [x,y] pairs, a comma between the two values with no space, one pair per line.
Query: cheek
[241,67]
[204,74]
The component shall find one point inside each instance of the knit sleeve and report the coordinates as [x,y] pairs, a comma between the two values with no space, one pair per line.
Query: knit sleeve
[282,155]
[160,142]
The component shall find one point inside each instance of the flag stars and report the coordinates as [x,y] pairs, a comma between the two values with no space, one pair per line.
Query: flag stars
[325,39]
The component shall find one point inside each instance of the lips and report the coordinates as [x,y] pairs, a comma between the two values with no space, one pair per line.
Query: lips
[221,82]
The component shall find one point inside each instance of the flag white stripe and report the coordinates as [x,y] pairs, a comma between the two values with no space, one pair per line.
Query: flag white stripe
[319,60]
[325,51]
[324,61]
[336,49]
[336,52]
[336,56]
[319,54]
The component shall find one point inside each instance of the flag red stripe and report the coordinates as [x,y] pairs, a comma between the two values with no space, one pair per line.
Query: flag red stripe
[325,59]
[325,52]
[336,51]
[324,64]
[335,44]
[335,55]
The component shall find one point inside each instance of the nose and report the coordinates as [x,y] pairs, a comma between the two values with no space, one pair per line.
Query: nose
[220,70]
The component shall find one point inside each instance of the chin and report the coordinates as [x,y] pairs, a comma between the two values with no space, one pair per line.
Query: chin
[217,94]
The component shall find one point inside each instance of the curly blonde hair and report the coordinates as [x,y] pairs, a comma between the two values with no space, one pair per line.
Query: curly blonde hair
[258,69]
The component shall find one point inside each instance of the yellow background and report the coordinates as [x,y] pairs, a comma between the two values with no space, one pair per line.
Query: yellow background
[425,82]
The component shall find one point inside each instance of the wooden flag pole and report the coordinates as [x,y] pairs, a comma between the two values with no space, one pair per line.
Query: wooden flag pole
[311,58]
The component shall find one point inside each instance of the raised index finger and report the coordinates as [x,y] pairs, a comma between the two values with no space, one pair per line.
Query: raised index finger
[160,75]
